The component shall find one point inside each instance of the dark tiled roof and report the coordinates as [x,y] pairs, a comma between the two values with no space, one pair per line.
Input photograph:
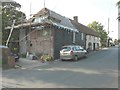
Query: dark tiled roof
[84,29]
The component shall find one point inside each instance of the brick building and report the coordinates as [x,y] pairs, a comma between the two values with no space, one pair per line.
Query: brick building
[47,31]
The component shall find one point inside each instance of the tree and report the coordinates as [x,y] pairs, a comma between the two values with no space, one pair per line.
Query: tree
[100,29]
[11,11]
[116,42]
[118,4]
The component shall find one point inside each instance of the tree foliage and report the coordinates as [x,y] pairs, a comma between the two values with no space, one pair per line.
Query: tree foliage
[100,29]
[10,11]
[116,42]
[119,41]
[118,4]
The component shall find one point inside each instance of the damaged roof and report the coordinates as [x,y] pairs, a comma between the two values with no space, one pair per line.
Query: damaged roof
[51,17]
[56,19]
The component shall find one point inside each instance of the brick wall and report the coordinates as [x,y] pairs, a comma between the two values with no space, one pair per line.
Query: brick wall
[41,42]
[8,61]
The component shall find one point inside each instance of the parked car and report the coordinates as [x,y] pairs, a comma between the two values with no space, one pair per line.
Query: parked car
[112,44]
[73,52]
[16,56]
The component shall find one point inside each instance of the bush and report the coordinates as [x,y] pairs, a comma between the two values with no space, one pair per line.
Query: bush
[46,57]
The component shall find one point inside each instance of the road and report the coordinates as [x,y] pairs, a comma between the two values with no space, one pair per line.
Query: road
[99,70]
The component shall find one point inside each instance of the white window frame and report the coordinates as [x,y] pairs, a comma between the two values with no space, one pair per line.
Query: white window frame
[82,36]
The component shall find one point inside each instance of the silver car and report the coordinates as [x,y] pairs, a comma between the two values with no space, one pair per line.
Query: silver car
[73,52]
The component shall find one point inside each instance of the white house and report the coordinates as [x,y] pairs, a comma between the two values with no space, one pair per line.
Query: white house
[92,39]
[92,42]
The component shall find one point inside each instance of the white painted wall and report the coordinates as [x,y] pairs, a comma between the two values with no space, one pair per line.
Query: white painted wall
[92,39]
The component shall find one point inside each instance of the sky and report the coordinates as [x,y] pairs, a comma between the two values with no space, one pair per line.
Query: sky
[86,10]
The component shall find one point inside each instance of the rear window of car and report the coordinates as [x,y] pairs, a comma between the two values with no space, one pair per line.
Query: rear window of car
[66,48]
[77,48]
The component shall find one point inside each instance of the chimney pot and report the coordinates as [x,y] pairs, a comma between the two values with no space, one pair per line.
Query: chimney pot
[75,18]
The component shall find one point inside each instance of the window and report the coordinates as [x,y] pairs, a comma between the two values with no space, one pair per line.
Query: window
[66,49]
[89,37]
[39,19]
[98,38]
[74,48]
[94,38]
[78,49]
[36,20]
[82,36]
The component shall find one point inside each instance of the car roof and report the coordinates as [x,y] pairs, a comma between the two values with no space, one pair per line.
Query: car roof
[71,45]
[2,46]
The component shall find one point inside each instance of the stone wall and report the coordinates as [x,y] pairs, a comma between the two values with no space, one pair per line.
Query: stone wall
[8,61]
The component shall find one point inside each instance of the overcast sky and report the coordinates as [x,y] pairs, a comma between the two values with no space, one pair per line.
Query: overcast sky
[86,10]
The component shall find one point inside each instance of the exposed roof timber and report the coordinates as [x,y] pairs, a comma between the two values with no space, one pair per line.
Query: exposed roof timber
[28,25]
[45,23]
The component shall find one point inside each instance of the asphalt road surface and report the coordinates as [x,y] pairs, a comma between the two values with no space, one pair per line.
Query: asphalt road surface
[99,70]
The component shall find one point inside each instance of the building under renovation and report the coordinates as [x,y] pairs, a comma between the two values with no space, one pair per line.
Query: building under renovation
[46,32]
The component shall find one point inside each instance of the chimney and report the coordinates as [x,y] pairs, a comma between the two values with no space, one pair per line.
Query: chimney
[75,18]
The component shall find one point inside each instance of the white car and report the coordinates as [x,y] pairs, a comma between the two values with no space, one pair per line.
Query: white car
[73,52]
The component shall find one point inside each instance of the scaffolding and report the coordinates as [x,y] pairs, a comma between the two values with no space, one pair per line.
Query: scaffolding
[10,32]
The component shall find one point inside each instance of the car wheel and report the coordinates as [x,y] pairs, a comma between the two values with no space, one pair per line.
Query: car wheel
[76,58]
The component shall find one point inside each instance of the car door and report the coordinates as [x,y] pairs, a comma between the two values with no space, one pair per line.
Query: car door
[82,52]
[74,50]
[78,51]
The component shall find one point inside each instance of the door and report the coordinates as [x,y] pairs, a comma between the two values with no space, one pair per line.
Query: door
[79,51]
[93,46]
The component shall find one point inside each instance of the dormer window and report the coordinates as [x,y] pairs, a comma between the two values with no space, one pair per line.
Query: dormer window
[39,19]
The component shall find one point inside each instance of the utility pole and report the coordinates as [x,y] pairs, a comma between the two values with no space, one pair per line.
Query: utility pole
[108,32]
[29,35]
[108,25]
[44,3]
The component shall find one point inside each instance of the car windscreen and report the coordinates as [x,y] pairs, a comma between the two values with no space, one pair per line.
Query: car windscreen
[64,49]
